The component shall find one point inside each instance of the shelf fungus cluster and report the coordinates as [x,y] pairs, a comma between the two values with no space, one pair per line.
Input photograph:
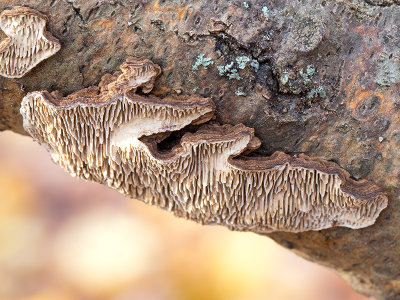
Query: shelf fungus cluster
[111,134]
[27,42]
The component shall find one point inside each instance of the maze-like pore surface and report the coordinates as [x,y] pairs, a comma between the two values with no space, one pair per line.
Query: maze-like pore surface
[110,134]
[27,42]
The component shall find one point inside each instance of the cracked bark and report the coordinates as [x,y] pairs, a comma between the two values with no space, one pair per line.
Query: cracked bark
[326,84]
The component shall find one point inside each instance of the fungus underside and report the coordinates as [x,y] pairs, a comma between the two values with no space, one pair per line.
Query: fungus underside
[27,42]
[109,134]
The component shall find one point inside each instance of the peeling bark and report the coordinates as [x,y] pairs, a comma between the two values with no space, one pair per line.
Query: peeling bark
[319,78]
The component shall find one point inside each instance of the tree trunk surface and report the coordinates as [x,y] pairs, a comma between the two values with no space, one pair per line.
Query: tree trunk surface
[326,83]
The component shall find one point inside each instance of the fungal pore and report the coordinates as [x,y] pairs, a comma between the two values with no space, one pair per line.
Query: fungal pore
[111,134]
[27,42]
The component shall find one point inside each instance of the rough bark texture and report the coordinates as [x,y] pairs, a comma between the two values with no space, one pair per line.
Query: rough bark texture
[319,77]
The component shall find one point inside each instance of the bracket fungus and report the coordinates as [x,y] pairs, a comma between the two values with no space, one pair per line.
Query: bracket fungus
[111,134]
[27,42]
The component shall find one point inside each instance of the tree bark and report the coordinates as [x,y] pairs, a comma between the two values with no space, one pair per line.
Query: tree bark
[316,77]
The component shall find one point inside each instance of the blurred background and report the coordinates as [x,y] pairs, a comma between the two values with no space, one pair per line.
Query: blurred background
[65,239]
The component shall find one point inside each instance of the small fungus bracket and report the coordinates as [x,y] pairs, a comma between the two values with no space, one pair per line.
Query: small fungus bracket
[110,134]
[27,42]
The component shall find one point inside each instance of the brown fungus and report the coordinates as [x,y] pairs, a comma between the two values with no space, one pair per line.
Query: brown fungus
[27,42]
[110,134]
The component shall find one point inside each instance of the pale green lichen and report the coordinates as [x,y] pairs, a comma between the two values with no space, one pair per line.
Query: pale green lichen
[221,70]
[242,61]
[245,5]
[308,74]
[228,71]
[310,70]
[284,79]
[265,11]
[233,74]
[254,63]
[224,69]
[240,93]
[195,89]
[387,72]
[315,92]
[202,61]
[321,92]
